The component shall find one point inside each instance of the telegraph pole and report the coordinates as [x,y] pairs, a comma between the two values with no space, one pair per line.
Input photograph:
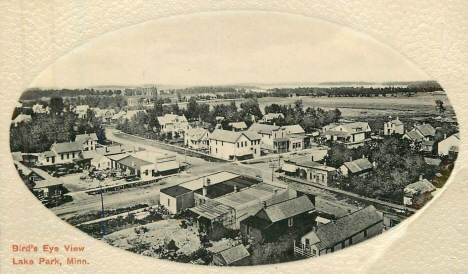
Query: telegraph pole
[102,211]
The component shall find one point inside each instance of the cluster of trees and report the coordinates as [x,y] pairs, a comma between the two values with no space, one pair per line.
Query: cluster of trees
[397,166]
[57,126]
[309,119]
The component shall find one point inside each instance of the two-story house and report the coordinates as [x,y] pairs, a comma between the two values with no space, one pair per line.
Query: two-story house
[420,133]
[197,138]
[449,144]
[173,123]
[282,139]
[88,141]
[351,134]
[394,127]
[270,117]
[232,145]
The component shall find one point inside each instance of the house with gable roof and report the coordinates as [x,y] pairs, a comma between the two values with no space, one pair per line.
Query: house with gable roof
[359,167]
[234,145]
[232,256]
[283,139]
[270,117]
[341,233]
[418,193]
[292,216]
[350,134]
[420,133]
[89,141]
[449,144]
[394,127]
[197,138]
[173,123]
[238,126]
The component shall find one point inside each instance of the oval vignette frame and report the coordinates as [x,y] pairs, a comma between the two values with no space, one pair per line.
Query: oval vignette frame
[300,202]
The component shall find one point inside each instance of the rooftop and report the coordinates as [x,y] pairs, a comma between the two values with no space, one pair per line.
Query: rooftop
[175,191]
[226,187]
[289,208]
[263,128]
[215,178]
[238,125]
[426,129]
[339,230]
[359,165]
[233,136]
[211,209]
[234,254]
[81,138]
[67,147]
[421,186]
[249,194]
[131,161]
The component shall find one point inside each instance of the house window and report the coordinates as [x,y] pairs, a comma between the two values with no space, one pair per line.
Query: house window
[242,144]
[290,222]
[245,143]
[216,150]
[168,202]
[222,143]
[314,252]
[73,155]
[47,159]
[61,156]
[68,155]
[307,242]
[237,145]
[99,165]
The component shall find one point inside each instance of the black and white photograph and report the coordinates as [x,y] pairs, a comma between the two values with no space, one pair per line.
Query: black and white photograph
[233,139]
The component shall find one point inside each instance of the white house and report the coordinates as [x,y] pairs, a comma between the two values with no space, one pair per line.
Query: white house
[351,134]
[452,143]
[61,153]
[81,110]
[173,123]
[394,127]
[232,145]
[101,162]
[89,141]
[286,138]
[238,126]
[269,117]
[38,108]
[197,138]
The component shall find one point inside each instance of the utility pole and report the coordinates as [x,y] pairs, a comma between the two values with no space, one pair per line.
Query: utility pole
[102,211]
[272,165]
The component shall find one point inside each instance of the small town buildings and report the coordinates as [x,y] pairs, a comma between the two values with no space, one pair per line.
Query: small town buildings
[81,110]
[309,170]
[105,114]
[231,145]
[176,198]
[394,127]
[351,134]
[238,126]
[101,162]
[118,116]
[204,188]
[173,123]
[63,153]
[227,211]
[420,133]
[46,187]
[341,233]
[270,117]
[293,216]
[417,193]
[197,138]
[131,165]
[88,141]
[232,256]
[282,139]
[449,144]
[358,167]
[22,118]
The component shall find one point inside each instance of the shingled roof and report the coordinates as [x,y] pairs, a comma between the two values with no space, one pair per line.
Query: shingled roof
[263,129]
[67,147]
[288,208]
[339,230]
[426,130]
[233,136]
[358,165]
[83,137]
[234,254]
[419,187]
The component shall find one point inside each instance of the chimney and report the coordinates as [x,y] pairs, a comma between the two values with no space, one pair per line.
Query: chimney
[374,164]
[363,157]
[107,149]
[275,190]
[420,177]
[235,188]
[264,204]
[445,136]
[208,181]
[351,159]
[312,158]
[325,163]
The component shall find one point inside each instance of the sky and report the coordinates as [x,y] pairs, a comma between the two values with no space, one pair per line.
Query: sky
[228,48]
